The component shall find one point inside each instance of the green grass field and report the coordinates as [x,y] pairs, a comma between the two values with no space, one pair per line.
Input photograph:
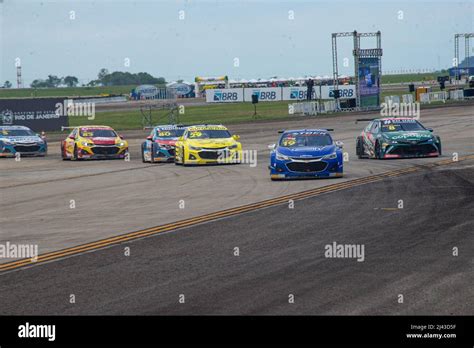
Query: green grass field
[210,113]
[63,92]
[405,78]
[213,113]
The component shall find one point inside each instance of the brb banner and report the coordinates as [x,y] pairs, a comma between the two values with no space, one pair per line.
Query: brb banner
[323,92]
[39,114]
[227,95]
[233,95]
[264,94]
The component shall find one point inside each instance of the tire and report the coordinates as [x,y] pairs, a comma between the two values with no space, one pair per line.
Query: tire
[63,151]
[74,154]
[176,162]
[440,147]
[153,150]
[377,150]
[183,156]
[360,148]
[143,153]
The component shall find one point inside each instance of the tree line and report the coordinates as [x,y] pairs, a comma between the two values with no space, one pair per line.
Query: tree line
[104,78]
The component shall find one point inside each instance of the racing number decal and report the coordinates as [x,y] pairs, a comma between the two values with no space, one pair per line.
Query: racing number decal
[164,134]
[195,134]
[289,142]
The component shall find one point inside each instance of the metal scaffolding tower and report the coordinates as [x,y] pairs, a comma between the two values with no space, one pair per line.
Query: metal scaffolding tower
[357,52]
[467,37]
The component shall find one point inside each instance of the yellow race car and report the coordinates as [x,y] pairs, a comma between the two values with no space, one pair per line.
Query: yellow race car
[93,142]
[207,144]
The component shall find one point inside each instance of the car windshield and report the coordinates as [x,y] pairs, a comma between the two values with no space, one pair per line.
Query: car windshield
[16,132]
[401,126]
[97,133]
[305,139]
[208,134]
[169,133]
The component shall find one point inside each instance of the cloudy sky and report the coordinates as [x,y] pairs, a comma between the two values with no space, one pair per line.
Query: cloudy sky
[242,39]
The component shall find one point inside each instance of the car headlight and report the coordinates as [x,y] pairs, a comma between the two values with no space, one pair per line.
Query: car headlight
[281,157]
[330,156]
[85,143]
[233,146]
[194,148]
[121,144]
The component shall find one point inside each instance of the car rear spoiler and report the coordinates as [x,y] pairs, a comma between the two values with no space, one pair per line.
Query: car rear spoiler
[64,128]
[177,125]
[326,129]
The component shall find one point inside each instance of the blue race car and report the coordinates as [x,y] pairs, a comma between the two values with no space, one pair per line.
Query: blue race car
[306,153]
[22,140]
[159,146]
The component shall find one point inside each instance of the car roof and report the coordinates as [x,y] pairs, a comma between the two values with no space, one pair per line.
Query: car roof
[306,130]
[209,126]
[95,127]
[170,126]
[14,127]
[394,118]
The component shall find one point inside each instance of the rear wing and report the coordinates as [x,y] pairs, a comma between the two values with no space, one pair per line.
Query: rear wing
[169,125]
[66,128]
[324,129]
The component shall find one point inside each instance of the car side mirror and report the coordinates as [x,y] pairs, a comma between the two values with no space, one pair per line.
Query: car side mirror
[236,137]
[272,147]
[429,129]
[120,136]
[72,137]
[339,144]
[149,137]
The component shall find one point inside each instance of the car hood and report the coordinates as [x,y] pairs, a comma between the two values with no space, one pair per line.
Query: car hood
[408,136]
[22,139]
[307,151]
[212,143]
[171,142]
[103,140]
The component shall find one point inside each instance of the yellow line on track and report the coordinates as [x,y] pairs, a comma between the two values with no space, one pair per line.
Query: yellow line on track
[220,214]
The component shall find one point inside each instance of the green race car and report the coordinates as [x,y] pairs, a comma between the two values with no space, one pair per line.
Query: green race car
[397,138]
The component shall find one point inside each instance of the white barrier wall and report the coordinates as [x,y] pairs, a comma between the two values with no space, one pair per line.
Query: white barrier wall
[231,95]
[227,95]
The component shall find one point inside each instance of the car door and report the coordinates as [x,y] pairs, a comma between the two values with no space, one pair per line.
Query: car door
[372,135]
[71,141]
[180,144]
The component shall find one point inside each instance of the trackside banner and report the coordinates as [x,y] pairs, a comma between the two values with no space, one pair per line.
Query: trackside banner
[227,95]
[39,114]
[232,95]
[264,94]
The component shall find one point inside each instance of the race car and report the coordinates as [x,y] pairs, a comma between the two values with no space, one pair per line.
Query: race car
[93,142]
[397,138]
[207,144]
[159,145]
[21,140]
[306,153]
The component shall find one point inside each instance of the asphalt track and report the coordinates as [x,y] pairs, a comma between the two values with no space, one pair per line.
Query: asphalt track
[281,252]
[408,251]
